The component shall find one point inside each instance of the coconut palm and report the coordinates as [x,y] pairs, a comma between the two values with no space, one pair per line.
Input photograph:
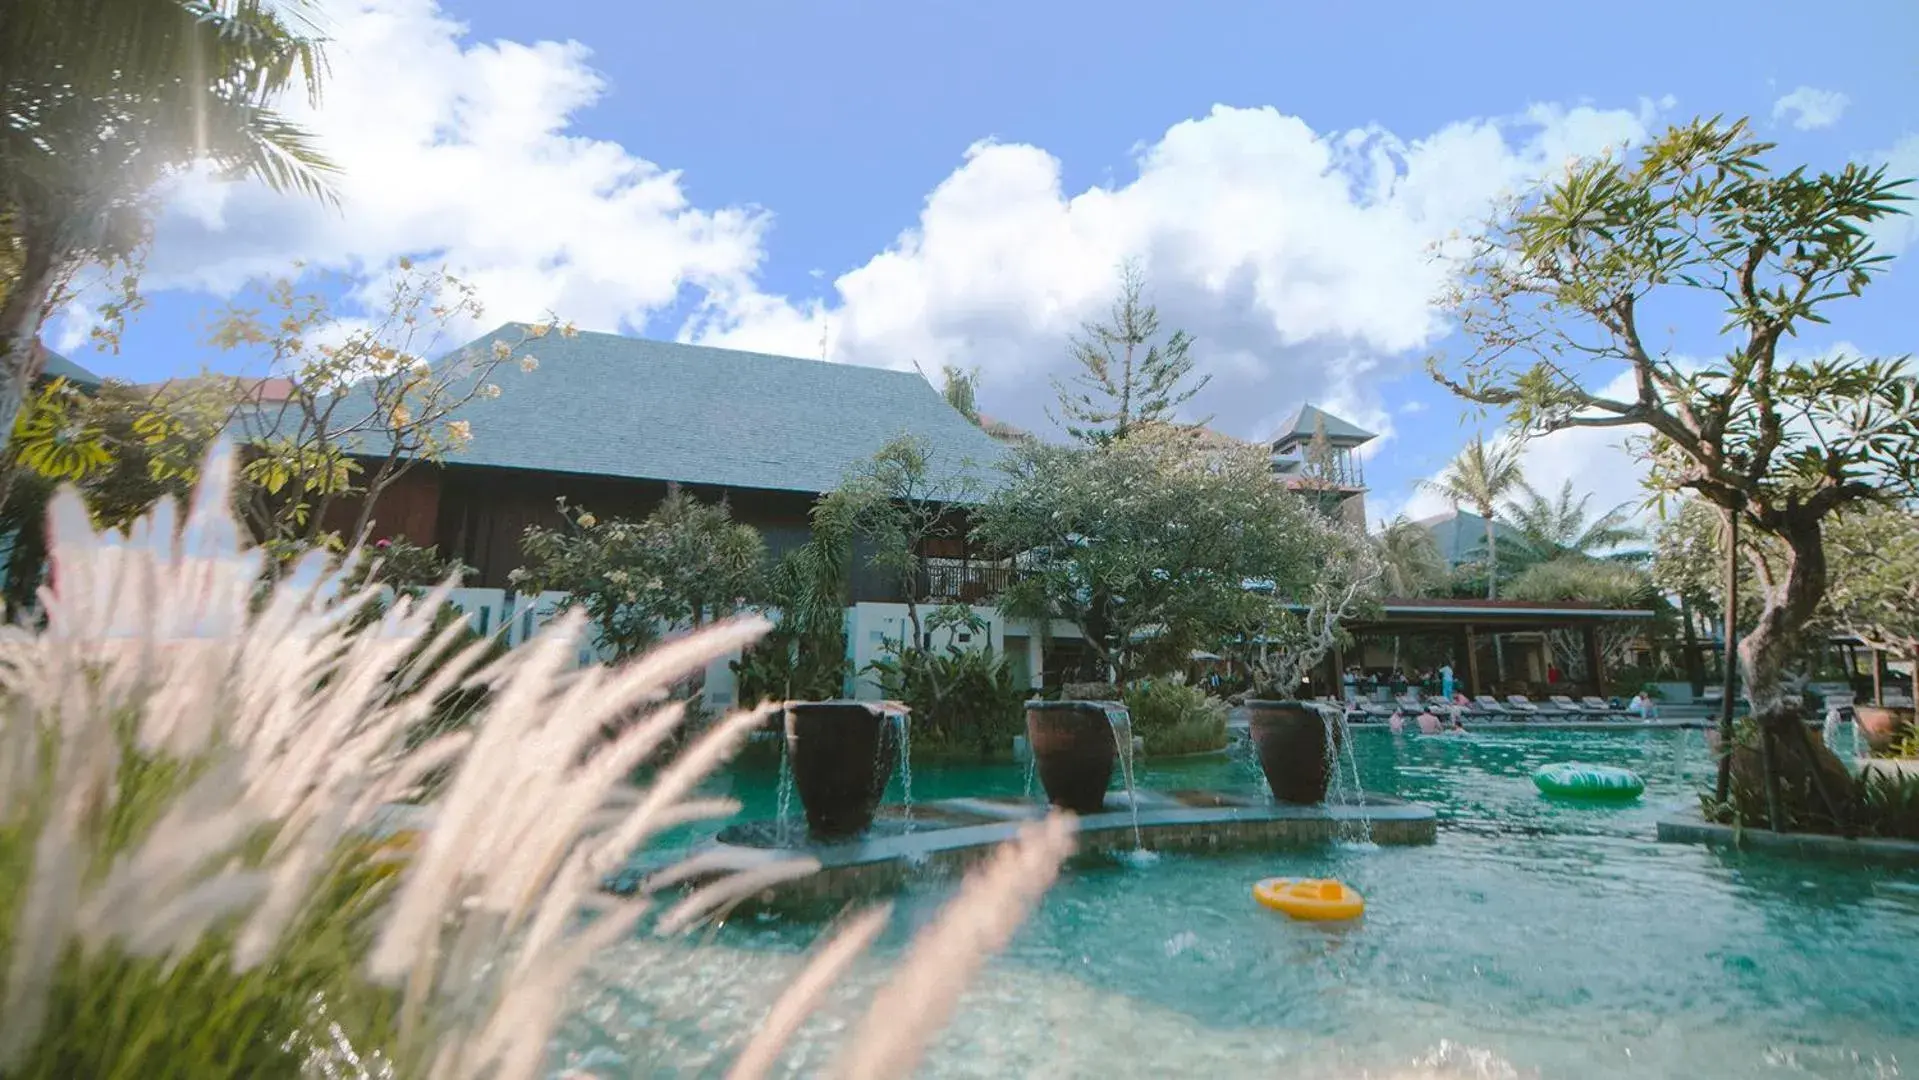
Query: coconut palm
[1411,558]
[1558,527]
[1481,477]
[102,99]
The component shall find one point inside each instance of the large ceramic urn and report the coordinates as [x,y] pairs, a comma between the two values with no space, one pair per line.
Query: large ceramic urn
[1295,750]
[1883,727]
[1075,745]
[842,754]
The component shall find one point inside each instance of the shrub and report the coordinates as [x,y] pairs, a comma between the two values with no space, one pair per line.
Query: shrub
[1889,805]
[1175,718]
[964,701]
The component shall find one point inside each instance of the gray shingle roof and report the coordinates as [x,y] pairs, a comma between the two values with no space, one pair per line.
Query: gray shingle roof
[1461,535]
[59,367]
[610,405]
[1305,424]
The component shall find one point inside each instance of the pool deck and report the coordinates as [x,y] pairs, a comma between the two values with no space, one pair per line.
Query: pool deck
[1689,826]
[946,836]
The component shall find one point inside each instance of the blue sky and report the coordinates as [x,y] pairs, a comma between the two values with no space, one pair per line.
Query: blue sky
[766,174]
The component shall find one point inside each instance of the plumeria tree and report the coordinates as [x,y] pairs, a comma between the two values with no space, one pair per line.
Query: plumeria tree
[682,566]
[1332,574]
[350,406]
[1146,544]
[1555,297]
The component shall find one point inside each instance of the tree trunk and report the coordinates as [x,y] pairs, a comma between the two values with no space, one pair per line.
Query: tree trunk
[1794,770]
[1492,556]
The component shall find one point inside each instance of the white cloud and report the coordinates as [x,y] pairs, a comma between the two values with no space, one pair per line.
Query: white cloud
[461,152]
[1808,108]
[1898,232]
[1298,258]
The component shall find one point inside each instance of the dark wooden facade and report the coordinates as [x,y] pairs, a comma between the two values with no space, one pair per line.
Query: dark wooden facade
[480,514]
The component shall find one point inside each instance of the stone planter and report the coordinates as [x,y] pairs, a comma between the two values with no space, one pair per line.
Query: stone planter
[1075,748]
[842,754]
[1291,741]
[1882,727]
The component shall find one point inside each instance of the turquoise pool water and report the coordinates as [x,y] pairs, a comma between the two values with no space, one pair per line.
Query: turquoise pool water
[1535,938]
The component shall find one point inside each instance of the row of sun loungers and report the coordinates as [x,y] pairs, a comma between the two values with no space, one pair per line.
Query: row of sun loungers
[1516,707]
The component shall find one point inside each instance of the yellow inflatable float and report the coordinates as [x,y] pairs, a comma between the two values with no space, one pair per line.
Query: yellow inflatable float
[1310,899]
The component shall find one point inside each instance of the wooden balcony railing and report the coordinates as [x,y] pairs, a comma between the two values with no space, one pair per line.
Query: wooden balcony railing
[962,581]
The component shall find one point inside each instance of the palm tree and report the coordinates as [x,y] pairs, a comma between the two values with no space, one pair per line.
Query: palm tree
[102,99]
[1556,528]
[1480,477]
[1413,564]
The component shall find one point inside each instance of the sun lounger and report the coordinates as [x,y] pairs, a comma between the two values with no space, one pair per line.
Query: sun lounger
[1376,711]
[1440,706]
[1519,704]
[1597,707]
[1566,705]
[1409,703]
[1491,706]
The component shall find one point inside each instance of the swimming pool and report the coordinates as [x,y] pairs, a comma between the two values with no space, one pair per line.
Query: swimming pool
[1535,938]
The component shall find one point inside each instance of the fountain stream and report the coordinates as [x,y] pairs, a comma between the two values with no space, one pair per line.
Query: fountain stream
[1122,724]
[1339,735]
[906,769]
[786,794]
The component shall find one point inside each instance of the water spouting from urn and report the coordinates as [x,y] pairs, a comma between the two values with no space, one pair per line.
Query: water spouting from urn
[1343,786]
[906,768]
[1122,725]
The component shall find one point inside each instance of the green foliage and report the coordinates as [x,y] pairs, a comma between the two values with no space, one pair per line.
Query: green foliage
[1889,805]
[684,564]
[1410,559]
[1874,589]
[803,658]
[1481,477]
[1174,718]
[1552,295]
[960,388]
[1557,527]
[1119,385]
[1146,544]
[1591,581]
[964,701]
[896,502]
[112,1014]
[100,102]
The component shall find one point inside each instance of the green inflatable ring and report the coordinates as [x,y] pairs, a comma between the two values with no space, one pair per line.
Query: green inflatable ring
[1571,778]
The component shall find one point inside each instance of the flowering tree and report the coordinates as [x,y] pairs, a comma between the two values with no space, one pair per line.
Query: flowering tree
[350,407]
[1147,544]
[684,565]
[1336,576]
[1552,296]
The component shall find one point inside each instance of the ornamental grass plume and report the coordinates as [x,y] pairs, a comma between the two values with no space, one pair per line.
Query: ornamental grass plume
[193,773]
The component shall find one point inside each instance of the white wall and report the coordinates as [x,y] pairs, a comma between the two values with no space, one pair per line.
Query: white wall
[870,626]
[517,617]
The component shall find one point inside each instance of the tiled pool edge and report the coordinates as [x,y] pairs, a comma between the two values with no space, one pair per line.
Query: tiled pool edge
[1689,826]
[883,864]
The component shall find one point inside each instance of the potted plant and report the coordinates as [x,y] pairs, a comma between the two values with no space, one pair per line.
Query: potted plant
[1298,741]
[842,754]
